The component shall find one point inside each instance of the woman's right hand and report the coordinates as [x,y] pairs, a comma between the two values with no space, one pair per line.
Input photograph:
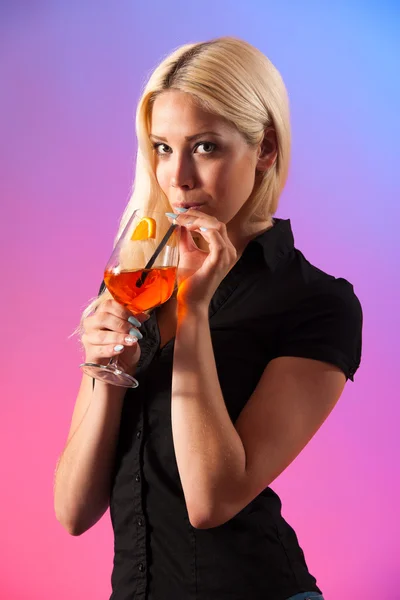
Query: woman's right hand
[109,327]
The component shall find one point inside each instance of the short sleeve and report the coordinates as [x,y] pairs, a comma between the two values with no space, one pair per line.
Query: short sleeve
[325,324]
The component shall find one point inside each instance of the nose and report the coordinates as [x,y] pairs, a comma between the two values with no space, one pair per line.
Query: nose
[182,172]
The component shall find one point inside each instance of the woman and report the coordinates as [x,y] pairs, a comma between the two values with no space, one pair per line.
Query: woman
[238,370]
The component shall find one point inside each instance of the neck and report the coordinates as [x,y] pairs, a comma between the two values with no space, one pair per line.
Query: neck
[240,238]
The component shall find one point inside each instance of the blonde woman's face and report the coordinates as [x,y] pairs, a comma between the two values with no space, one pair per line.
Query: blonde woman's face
[201,159]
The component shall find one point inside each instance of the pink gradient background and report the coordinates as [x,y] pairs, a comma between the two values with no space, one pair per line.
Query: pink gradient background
[71,74]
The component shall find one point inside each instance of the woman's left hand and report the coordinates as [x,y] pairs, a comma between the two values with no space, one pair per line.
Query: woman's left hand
[200,272]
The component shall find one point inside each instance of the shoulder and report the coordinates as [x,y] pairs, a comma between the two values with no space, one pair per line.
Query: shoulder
[312,286]
[323,320]
[330,292]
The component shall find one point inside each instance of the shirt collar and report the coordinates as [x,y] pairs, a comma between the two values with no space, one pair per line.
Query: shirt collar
[276,242]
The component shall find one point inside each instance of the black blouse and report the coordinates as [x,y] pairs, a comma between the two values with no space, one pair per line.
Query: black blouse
[279,305]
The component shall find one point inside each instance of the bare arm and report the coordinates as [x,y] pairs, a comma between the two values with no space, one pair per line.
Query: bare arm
[83,473]
[224,466]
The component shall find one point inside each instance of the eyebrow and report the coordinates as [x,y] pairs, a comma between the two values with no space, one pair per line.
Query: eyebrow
[188,138]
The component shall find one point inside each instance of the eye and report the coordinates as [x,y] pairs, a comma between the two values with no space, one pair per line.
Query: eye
[208,147]
[165,149]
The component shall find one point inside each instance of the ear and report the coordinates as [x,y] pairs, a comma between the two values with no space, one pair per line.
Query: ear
[267,150]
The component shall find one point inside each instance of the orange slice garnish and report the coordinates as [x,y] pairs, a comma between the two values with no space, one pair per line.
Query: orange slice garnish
[145,229]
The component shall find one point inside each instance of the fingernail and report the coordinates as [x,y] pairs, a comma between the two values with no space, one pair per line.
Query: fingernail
[134,322]
[203,228]
[130,340]
[118,348]
[181,210]
[136,333]
[172,215]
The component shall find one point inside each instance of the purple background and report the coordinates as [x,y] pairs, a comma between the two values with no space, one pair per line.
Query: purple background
[70,76]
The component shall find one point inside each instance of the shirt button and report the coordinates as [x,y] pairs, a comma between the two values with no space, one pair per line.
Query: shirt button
[140,521]
[141,567]
[137,478]
[138,434]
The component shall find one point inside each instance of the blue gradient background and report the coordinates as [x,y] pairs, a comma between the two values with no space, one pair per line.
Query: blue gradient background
[70,77]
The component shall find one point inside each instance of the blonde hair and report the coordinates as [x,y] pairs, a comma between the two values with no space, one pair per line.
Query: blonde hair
[233,79]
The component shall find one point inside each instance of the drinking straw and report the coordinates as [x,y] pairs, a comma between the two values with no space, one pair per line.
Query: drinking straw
[157,251]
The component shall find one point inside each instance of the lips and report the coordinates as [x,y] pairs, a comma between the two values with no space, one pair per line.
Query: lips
[189,205]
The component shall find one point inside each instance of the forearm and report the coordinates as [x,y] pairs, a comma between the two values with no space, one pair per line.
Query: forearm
[209,452]
[82,479]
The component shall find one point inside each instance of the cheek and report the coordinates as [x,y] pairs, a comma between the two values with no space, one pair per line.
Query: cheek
[161,176]
[236,182]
